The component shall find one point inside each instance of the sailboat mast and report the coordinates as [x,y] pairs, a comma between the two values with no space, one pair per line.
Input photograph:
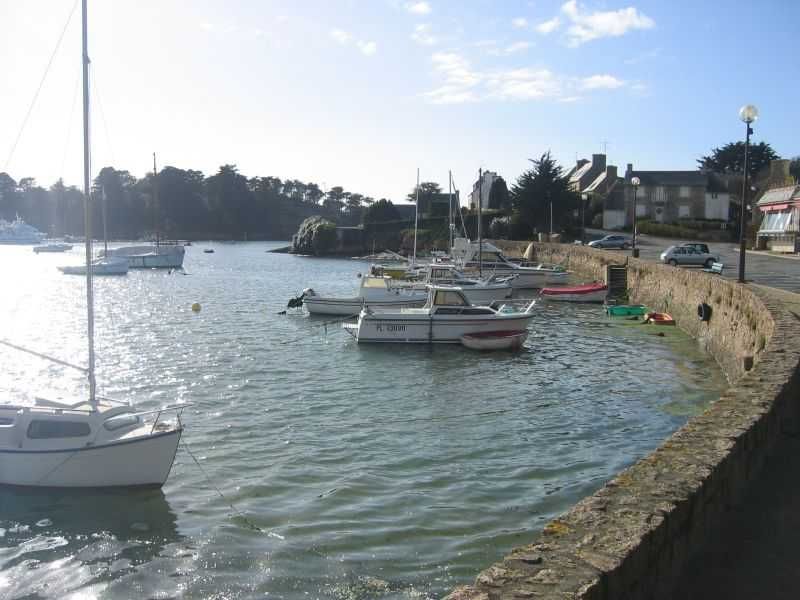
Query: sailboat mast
[87,218]
[450,211]
[105,224]
[480,232]
[416,220]
[155,195]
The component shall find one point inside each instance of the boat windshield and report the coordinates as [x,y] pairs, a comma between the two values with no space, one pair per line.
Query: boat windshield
[374,282]
[449,298]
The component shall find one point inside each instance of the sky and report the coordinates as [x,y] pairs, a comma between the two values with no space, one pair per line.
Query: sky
[361,93]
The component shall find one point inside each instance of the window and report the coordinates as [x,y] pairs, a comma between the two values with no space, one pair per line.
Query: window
[683,211]
[449,299]
[684,191]
[641,210]
[42,430]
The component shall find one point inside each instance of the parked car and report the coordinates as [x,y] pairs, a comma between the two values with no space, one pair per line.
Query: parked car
[611,241]
[697,246]
[687,254]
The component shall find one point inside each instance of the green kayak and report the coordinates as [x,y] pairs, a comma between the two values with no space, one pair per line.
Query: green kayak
[626,310]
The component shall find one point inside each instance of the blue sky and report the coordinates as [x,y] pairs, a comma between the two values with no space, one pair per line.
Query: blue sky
[360,93]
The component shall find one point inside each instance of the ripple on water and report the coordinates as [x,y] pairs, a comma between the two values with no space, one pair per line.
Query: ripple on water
[371,471]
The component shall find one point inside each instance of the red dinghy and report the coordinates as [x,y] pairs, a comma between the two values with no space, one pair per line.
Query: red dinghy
[588,292]
[655,318]
[495,340]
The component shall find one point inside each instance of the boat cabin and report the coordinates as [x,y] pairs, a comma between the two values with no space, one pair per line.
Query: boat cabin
[451,301]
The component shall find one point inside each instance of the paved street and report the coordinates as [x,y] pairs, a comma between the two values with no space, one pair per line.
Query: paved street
[782,272]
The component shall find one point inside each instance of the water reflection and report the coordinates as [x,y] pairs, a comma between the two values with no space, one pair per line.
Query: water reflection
[55,542]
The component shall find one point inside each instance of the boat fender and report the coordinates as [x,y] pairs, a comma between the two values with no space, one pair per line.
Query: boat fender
[704,312]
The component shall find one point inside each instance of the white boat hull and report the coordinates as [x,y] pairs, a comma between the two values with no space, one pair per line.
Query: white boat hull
[142,461]
[441,330]
[317,305]
[151,257]
[103,266]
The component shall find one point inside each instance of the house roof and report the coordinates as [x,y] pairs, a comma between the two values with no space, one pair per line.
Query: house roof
[781,194]
[578,173]
[689,178]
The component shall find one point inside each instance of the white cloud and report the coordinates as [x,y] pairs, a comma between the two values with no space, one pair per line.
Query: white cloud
[591,26]
[423,35]
[462,83]
[341,37]
[601,82]
[367,48]
[510,49]
[548,26]
[418,8]
[520,22]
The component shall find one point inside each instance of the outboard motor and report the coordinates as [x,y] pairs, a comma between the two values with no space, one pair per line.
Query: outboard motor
[298,301]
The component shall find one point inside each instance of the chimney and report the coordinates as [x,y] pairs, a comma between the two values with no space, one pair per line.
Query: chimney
[598,162]
[629,172]
[611,175]
[581,162]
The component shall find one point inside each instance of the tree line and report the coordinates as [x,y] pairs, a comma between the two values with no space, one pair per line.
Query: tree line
[187,204]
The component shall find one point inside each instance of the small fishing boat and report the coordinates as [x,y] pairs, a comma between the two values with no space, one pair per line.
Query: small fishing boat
[495,340]
[53,247]
[380,292]
[626,310]
[209,251]
[657,318]
[588,292]
[480,292]
[445,318]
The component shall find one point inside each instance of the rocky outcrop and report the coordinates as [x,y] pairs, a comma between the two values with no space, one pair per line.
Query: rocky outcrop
[316,235]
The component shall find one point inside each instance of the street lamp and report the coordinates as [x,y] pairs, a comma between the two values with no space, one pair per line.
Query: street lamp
[635,181]
[748,113]
[584,198]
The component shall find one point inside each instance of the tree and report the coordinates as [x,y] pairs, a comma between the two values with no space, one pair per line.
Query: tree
[499,198]
[539,188]
[427,190]
[381,211]
[729,160]
[335,198]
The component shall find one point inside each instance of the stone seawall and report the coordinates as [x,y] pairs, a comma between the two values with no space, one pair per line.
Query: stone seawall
[632,538]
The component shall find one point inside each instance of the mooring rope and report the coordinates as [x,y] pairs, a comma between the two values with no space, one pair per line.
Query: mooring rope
[44,356]
[318,325]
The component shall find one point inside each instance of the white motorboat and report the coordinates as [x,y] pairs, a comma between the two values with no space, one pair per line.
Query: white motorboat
[445,318]
[111,265]
[477,291]
[95,442]
[587,292]
[19,232]
[52,247]
[490,261]
[374,291]
[151,256]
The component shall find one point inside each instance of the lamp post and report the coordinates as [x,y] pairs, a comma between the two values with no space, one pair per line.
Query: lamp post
[584,198]
[748,113]
[635,181]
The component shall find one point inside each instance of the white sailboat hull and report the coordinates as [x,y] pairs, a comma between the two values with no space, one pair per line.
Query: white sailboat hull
[141,461]
[101,266]
[151,257]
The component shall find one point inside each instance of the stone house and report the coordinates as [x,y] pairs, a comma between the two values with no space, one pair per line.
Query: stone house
[481,190]
[596,179]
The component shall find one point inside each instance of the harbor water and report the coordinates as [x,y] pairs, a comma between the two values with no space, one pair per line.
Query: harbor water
[324,469]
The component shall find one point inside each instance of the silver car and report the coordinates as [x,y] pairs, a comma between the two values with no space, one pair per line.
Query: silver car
[612,241]
[688,255]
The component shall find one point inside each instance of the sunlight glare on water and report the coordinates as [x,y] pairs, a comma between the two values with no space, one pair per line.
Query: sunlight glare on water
[360,472]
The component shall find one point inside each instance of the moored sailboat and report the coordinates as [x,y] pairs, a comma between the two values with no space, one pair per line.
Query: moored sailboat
[96,442]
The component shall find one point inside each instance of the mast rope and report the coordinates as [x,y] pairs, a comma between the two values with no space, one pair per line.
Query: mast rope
[44,356]
[41,84]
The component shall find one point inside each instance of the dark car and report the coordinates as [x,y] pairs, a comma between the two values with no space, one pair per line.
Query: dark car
[612,241]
